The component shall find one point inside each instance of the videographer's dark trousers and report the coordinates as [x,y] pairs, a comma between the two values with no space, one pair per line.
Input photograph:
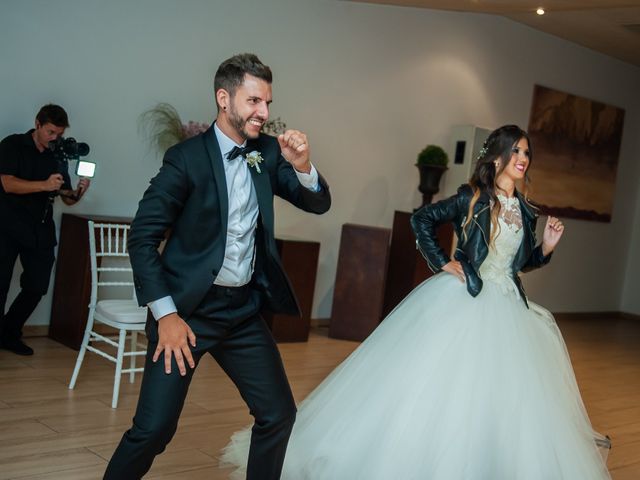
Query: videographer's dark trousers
[227,325]
[34,282]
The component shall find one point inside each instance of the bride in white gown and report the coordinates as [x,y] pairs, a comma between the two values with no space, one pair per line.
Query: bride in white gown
[454,386]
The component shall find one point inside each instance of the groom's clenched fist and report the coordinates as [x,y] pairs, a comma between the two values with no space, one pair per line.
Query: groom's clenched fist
[295,150]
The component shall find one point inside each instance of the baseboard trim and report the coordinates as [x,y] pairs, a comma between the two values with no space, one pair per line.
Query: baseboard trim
[35,330]
[43,330]
[320,322]
[595,315]
[587,314]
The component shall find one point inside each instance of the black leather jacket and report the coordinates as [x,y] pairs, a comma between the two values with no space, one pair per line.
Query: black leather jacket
[473,251]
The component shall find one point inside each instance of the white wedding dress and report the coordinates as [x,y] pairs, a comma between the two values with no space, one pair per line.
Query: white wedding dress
[449,387]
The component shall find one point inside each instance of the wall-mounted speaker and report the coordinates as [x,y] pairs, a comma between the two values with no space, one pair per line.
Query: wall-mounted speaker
[463,150]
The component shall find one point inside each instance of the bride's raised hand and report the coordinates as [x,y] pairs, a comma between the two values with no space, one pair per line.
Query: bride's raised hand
[552,232]
[455,268]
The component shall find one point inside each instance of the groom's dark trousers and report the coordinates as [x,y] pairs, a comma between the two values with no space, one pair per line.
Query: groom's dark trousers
[227,325]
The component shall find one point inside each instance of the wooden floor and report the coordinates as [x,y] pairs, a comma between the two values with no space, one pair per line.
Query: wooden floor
[50,432]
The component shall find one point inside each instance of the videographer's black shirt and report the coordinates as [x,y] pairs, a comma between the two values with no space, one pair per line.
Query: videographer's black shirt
[28,216]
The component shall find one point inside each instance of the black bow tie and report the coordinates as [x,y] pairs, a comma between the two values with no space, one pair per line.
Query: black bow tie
[237,151]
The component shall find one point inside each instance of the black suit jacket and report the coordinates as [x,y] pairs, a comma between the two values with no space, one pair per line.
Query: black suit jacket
[188,198]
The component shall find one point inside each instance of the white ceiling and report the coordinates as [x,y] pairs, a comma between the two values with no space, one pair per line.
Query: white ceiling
[608,26]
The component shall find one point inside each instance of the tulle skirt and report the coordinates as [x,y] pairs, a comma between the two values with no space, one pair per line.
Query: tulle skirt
[447,387]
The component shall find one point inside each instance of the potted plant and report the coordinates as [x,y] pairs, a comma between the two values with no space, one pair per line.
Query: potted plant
[432,163]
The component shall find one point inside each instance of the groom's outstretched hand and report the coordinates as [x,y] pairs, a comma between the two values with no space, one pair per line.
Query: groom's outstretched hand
[295,150]
[173,333]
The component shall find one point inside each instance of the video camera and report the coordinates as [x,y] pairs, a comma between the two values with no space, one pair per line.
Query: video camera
[68,148]
[65,149]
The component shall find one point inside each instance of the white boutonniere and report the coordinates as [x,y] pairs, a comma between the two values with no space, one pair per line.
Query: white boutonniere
[254,159]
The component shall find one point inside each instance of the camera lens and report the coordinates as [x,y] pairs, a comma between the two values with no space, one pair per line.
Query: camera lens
[83,149]
[68,148]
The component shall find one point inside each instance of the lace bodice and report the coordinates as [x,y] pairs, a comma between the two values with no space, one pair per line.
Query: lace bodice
[497,266]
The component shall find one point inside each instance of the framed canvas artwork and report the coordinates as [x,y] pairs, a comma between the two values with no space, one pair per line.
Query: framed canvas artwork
[576,145]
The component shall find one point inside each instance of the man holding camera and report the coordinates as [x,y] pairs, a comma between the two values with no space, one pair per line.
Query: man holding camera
[30,178]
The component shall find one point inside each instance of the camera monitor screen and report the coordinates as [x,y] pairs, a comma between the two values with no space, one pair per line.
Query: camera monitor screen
[85,169]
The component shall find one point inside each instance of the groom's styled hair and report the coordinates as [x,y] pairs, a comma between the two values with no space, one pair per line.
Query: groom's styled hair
[231,72]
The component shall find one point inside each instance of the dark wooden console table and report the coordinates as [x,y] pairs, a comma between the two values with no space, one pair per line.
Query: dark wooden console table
[72,285]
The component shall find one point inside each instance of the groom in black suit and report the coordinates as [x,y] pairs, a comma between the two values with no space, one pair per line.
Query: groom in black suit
[214,195]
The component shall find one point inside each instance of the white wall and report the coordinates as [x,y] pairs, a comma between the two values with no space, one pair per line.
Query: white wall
[371,85]
[631,294]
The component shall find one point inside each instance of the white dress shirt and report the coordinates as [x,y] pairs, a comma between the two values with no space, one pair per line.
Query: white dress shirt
[237,266]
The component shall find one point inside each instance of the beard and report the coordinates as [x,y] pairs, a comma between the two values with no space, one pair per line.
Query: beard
[240,124]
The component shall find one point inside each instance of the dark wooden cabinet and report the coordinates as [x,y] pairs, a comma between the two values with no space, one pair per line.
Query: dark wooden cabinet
[300,261]
[358,297]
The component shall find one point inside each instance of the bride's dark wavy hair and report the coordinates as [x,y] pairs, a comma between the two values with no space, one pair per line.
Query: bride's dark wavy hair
[498,146]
